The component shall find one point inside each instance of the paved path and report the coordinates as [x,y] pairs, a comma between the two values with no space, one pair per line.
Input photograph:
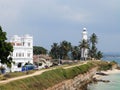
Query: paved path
[34,74]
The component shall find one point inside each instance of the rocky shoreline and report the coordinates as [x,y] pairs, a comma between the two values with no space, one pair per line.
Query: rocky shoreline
[79,82]
[98,77]
[82,81]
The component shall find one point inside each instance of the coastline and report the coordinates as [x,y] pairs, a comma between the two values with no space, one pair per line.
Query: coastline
[113,71]
[108,72]
[111,81]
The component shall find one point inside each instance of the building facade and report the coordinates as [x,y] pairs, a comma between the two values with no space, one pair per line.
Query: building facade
[84,51]
[22,51]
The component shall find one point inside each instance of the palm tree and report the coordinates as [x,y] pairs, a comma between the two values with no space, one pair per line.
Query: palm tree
[54,52]
[65,47]
[93,49]
[99,55]
[83,46]
[93,39]
[75,52]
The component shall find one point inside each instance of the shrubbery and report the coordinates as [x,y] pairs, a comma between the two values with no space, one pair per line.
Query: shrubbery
[103,65]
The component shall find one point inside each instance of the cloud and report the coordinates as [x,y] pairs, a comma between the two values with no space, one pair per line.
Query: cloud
[52,20]
[10,10]
[55,10]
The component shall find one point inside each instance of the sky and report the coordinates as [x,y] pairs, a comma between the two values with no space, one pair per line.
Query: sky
[50,21]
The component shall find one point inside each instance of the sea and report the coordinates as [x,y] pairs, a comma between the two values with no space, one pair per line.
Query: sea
[114,83]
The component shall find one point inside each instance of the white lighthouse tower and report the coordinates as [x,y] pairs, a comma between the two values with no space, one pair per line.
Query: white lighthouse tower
[84,51]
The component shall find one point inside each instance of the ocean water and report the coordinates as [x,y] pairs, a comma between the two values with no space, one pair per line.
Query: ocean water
[114,83]
[112,58]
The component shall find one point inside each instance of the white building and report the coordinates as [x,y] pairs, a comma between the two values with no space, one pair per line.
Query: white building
[84,52]
[22,51]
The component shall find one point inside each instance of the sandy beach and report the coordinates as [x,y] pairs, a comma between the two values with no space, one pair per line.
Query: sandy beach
[113,71]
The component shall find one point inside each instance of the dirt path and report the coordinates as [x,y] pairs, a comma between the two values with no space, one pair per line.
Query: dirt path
[34,74]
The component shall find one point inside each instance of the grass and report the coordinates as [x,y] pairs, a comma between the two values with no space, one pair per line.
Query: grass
[15,74]
[46,79]
[52,77]
[104,65]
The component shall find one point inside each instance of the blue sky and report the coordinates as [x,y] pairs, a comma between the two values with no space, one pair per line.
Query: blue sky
[51,21]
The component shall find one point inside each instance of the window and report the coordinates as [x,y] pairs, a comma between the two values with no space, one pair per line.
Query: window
[28,54]
[23,43]
[16,54]
[22,54]
[19,54]
[29,44]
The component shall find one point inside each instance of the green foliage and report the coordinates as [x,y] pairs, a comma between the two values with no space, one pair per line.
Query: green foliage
[106,67]
[103,65]
[93,39]
[64,48]
[5,49]
[99,55]
[93,51]
[39,50]
[55,51]
[60,50]
[47,79]
[93,48]
[84,44]
[75,53]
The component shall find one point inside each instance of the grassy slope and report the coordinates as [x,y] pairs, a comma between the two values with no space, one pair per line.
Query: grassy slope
[15,74]
[48,79]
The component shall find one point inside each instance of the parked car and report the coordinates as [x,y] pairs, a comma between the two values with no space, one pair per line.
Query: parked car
[28,67]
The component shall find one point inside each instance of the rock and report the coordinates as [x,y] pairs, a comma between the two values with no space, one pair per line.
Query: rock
[100,80]
[100,73]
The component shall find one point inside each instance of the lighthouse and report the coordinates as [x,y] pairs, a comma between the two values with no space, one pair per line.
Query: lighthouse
[84,34]
[84,51]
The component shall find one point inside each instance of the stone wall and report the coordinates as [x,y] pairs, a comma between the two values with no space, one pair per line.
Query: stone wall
[77,83]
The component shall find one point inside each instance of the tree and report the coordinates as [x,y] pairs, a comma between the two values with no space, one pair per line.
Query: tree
[75,53]
[39,50]
[99,55]
[5,49]
[93,49]
[94,39]
[60,51]
[93,52]
[84,45]
[65,48]
[55,51]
